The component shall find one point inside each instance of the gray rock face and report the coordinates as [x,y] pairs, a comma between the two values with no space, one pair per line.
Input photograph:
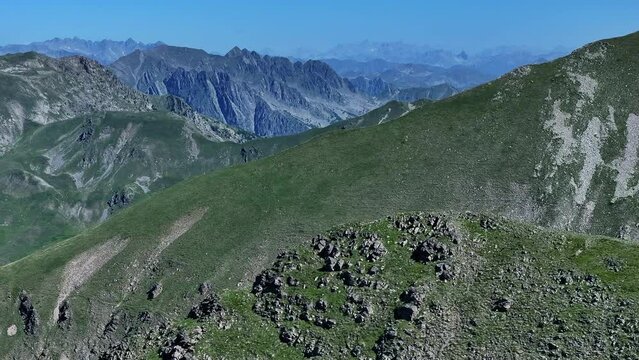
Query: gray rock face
[155,291]
[266,95]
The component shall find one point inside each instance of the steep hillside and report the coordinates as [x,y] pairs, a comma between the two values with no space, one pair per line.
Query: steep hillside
[39,89]
[103,51]
[62,177]
[262,94]
[553,144]
[62,160]
[35,89]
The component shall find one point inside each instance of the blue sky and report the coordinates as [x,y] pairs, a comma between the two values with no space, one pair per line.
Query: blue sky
[287,25]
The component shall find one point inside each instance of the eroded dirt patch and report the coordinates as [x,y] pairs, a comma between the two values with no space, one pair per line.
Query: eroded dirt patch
[179,228]
[83,266]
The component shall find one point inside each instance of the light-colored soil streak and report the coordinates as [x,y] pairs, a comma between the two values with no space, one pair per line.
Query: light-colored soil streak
[83,266]
[179,228]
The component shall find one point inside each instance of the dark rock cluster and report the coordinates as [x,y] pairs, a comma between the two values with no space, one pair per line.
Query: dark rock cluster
[182,347]
[211,310]
[29,315]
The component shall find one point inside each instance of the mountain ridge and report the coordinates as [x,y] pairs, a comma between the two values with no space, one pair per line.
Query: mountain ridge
[263,94]
[537,144]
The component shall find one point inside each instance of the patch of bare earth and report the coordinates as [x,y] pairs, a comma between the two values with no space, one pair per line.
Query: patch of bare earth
[83,266]
[179,228]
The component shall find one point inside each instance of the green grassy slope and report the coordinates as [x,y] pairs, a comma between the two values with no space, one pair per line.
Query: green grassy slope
[490,149]
[59,178]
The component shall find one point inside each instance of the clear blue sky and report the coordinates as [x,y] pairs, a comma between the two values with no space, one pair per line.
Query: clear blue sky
[286,25]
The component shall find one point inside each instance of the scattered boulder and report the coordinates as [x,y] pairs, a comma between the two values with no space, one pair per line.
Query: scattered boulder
[410,224]
[502,304]
[118,200]
[289,336]
[321,305]
[325,323]
[210,309]
[64,315]
[372,248]
[182,347]
[114,322]
[334,264]
[488,223]
[406,312]
[12,330]
[325,248]
[389,345]
[313,349]
[291,281]
[348,278]
[374,270]
[412,296]
[205,288]
[431,250]
[444,271]
[613,264]
[29,315]
[154,291]
[268,281]
[364,312]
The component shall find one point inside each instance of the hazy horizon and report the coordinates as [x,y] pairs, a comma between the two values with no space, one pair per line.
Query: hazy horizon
[288,28]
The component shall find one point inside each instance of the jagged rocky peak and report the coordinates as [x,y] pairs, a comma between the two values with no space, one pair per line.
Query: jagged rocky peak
[236,87]
[237,52]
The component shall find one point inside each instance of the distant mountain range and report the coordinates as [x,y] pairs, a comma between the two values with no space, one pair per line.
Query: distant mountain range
[103,51]
[404,76]
[272,95]
[266,95]
[262,94]
[406,65]
[494,61]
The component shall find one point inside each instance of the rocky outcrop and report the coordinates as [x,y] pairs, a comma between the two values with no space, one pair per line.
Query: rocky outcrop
[29,315]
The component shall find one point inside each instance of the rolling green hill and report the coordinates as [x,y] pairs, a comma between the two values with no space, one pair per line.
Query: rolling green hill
[552,144]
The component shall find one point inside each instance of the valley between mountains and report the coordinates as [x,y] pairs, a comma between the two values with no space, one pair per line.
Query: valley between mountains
[153,209]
